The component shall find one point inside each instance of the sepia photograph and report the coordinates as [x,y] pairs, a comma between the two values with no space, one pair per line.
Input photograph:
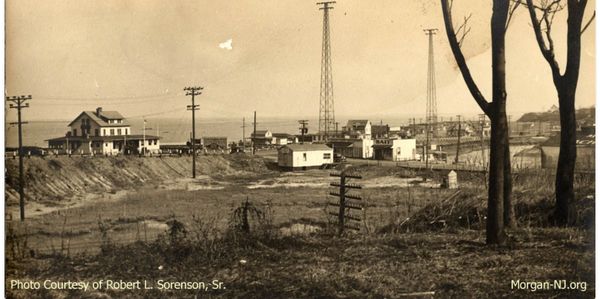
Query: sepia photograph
[299,149]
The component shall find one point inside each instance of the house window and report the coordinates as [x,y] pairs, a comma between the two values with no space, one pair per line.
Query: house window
[97,131]
[126,131]
[112,132]
[104,132]
[304,156]
[118,131]
[74,132]
[327,156]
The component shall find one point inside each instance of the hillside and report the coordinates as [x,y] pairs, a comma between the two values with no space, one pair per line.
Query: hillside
[586,115]
[58,178]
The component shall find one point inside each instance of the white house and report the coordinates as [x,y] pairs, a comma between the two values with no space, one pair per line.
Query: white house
[358,128]
[103,132]
[395,149]
[262,138]
[283,138]
[304,156]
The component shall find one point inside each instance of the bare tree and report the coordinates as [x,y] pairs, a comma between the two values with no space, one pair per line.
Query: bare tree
[499,207]
[566,86]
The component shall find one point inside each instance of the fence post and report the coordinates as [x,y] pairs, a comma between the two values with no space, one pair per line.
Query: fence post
[343,205]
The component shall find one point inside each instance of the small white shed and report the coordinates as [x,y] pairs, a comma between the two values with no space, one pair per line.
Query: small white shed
[304,156]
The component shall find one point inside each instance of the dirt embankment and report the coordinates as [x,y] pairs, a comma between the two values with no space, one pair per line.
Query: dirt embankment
[58,178]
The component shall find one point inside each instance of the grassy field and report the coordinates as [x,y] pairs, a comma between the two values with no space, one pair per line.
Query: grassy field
[415,237]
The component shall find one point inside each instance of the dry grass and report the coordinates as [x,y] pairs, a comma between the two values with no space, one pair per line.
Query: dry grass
[389,257]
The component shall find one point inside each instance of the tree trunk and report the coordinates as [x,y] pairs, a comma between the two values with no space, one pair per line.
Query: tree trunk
[509,211]
[499,137]
[495,213]
[565,170]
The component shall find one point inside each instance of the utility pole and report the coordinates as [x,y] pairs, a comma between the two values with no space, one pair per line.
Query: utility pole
[19,103]
[144,138]
[458,142]
[336,128]
[303,129]
[193,91]
[244,134]
[254,135]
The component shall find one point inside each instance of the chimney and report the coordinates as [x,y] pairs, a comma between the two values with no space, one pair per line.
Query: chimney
[98,111]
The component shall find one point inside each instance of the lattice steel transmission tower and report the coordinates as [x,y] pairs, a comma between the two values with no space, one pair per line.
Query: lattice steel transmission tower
[431,117]
[326,112]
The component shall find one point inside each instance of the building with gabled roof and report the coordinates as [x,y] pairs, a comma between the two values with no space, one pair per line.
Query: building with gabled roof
[103,132]
[359,128]
[262,138]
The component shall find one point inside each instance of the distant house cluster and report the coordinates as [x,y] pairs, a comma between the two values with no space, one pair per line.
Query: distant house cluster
[357,139]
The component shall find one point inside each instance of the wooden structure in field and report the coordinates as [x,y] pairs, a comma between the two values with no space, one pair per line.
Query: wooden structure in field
[347,202]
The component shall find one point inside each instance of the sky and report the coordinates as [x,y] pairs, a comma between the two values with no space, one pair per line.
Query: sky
[136,56]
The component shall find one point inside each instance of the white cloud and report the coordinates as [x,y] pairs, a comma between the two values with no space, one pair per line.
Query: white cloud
[226,45]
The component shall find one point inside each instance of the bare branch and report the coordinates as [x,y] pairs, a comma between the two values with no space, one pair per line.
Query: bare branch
[460,58]
[546,49]
[588,23]
[463,30]
[513,5]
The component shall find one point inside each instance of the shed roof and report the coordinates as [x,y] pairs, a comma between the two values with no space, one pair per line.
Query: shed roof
[582,139]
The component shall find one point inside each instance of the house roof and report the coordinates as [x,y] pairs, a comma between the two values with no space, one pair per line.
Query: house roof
[307,147]
[260,132]
[102,121]
[111,115]
[582,139]
[340,143]
[357,122]
[379,146]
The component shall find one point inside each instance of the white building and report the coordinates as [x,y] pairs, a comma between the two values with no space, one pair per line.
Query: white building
[304,156]
[362,148]
[103,132]
[395,149]
[284,138]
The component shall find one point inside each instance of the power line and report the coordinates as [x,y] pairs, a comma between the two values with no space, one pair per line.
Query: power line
[118,98]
